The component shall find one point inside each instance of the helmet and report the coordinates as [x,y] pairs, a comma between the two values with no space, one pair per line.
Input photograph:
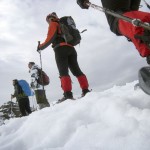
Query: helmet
[52,15]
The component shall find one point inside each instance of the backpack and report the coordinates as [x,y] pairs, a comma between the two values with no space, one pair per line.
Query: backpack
[43,78]
[25,87]
[69,31]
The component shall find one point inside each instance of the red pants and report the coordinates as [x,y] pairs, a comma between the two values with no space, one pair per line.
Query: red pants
[129,30]
[67,85]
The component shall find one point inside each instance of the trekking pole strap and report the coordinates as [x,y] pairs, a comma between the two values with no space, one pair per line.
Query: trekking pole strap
[135,22]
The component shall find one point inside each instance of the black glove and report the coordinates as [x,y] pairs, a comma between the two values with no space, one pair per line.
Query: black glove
[82,4]
[145,38]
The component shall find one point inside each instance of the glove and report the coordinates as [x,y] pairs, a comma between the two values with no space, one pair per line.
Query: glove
[82,4]
[145,38]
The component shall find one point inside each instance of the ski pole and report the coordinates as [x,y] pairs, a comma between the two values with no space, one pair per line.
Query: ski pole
[41,64]
[135,21]
[148,6]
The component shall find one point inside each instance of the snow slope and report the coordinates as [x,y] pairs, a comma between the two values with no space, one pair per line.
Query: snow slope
[115,119]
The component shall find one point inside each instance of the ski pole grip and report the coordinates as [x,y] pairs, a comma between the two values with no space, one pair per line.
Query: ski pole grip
[38,43]
[38,46]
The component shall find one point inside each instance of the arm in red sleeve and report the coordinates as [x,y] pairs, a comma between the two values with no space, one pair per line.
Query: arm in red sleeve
[52,33]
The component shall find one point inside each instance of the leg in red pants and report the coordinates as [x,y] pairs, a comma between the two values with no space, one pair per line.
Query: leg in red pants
[83,84]
[67,88]
[129,30]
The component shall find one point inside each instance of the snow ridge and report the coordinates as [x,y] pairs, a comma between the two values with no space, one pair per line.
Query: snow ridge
[115,119]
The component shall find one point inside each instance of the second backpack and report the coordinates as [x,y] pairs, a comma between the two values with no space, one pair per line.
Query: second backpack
[43,78]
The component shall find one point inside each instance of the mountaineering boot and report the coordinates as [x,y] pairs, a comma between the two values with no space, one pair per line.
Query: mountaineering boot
[67,87]
[67,95]
[84,92]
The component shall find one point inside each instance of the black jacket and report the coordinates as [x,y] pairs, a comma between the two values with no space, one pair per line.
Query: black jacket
[18,92]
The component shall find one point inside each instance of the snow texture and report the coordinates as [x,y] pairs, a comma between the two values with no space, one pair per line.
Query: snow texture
[115,119]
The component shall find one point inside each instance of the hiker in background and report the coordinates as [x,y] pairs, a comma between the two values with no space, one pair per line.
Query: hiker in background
[129,8]
[66,58]
[22,99]
[39,91]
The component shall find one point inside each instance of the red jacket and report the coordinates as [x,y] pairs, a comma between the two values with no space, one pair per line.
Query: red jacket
[53,33]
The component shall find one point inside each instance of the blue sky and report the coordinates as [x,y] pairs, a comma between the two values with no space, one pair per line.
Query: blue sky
[106,59]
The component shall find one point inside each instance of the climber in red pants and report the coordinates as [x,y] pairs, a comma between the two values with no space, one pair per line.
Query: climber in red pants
[139,36]
[66,58]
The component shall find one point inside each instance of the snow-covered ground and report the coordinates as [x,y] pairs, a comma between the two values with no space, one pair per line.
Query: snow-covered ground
[115,119]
